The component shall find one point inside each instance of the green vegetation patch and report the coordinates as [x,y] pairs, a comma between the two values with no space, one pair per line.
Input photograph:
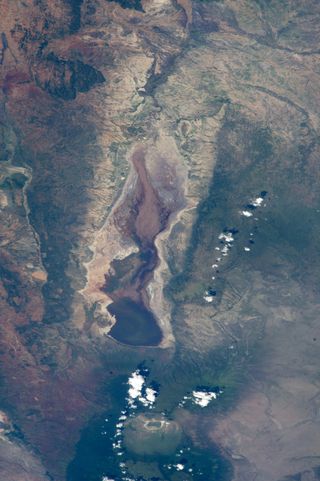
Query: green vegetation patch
[244,159]
[8,143]
[152,435]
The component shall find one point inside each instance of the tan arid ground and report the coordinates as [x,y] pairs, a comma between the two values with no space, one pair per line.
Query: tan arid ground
[192,84]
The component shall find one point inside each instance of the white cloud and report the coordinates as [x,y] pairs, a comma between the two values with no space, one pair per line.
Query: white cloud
[136,382]
[151,395]
[203,398]
[208,298]
[257,202]
[246,213]
[226,237]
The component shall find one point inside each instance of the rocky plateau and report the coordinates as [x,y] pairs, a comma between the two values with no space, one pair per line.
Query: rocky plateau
[132,134]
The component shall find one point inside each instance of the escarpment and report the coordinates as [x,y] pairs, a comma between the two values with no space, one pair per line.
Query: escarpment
[134,134]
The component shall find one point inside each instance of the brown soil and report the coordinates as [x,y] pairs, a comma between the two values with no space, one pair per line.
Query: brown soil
[143,221]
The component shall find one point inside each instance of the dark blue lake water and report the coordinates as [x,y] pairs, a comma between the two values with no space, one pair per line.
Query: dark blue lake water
[136,325]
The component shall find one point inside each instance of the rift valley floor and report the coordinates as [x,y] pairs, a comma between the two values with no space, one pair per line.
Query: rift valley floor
[159,240]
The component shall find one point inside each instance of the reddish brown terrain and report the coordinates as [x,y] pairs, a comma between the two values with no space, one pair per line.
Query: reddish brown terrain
[148,223]
[61,61]
[143,217]
[133,133]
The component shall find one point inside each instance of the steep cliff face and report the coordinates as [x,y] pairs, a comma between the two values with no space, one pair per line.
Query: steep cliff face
[135,140]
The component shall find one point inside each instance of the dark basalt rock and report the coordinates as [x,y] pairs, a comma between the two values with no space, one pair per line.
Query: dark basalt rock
[132,4]
[75,6]
[86,76]
[13,287]
[65,78]
[18,180]
[4,41]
